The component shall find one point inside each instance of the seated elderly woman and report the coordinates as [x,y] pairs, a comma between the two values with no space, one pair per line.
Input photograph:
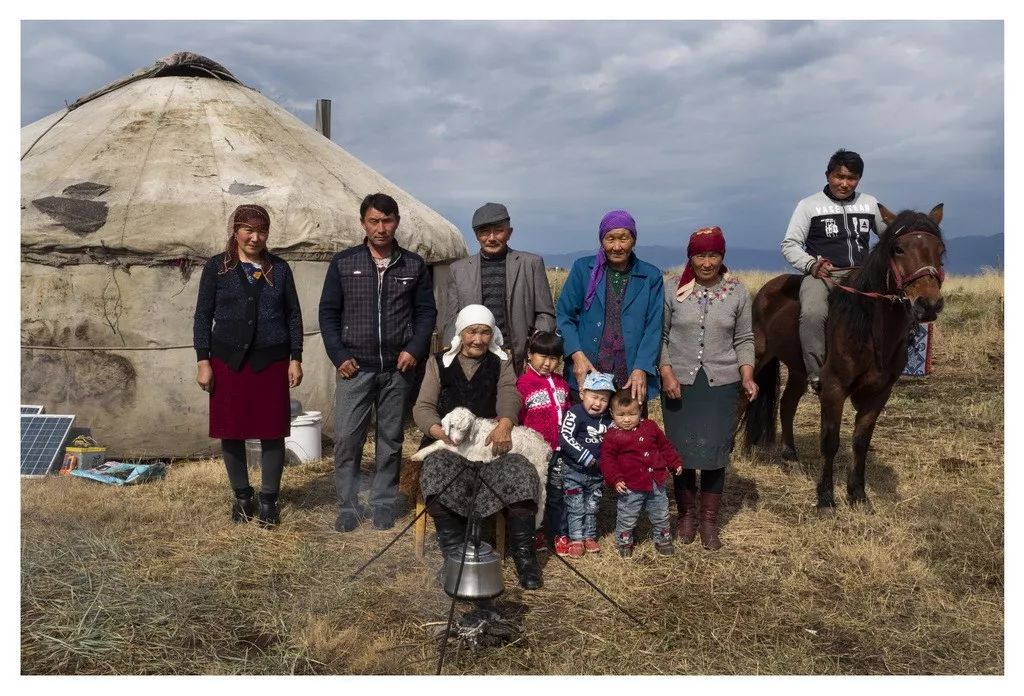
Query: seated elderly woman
[476,373]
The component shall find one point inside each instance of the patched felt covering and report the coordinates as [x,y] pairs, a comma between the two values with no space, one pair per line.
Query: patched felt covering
[181,143]
[919,352]
[124,197]
[79,216]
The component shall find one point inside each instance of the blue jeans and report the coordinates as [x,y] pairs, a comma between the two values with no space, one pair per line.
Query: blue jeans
[627,511]
[554,504]
[583,491]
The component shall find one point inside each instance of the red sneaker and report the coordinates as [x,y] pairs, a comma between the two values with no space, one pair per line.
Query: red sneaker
[562,545]
[539,542]
[576,549]
[591,546]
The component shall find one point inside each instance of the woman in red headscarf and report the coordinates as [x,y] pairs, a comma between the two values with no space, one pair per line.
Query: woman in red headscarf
[248,339]
[707,356]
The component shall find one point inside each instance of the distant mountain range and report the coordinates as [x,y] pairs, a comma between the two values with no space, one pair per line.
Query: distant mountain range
[964,256]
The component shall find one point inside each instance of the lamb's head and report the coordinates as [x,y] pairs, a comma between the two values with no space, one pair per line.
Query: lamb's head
[458,424]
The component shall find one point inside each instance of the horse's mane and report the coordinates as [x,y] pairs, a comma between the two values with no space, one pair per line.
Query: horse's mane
[856,312]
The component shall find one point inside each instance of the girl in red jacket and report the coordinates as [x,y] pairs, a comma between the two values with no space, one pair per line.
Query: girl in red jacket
[545,402]
[635,460]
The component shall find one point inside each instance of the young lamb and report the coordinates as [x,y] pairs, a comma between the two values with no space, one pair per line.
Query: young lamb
[469,432]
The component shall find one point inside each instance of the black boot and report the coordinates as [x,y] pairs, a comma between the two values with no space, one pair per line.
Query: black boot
[451,533]
[269,515]
[244,506]
[521,548]
[451,529]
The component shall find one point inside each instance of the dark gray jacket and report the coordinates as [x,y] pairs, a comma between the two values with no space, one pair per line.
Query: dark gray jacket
[236,320]
[373,317]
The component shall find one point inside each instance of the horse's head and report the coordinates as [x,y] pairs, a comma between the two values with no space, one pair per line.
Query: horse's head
[913,247]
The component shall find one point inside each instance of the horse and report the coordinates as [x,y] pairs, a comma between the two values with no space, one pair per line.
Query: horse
[870,321]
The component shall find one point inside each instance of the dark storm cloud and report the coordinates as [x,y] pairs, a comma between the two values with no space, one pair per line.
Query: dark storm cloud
[684,123]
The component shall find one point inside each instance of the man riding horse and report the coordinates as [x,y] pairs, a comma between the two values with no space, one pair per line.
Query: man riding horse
[828,235]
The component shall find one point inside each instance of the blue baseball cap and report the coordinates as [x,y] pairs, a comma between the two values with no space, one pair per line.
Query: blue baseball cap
[599,381]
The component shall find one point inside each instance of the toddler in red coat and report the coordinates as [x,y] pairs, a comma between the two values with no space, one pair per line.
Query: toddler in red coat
[636,457]
[545,402]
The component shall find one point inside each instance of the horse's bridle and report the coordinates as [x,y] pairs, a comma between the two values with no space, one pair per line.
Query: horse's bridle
[902,282]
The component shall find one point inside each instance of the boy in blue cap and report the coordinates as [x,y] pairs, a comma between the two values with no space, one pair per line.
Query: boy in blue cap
[580,438]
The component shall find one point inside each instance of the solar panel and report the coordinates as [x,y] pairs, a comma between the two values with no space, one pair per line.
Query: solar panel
[42,441]
[31,409]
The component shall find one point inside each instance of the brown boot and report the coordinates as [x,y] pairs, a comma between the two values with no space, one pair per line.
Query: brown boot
[686,502]
[709,503]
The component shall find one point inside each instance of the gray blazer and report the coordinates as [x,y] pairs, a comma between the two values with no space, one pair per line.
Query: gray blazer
[528,302]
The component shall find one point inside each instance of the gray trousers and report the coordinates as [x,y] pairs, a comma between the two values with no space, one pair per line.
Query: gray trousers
[387,393]
[813,315]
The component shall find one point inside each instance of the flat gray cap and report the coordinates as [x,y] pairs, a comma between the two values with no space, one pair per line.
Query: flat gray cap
[489,213]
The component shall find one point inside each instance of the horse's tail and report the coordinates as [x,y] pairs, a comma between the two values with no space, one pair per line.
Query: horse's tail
[760,415]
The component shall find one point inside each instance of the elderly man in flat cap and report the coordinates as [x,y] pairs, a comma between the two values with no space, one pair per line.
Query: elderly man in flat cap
[512,284]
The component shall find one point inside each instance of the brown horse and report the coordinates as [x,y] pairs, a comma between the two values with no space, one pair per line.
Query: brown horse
[870,321]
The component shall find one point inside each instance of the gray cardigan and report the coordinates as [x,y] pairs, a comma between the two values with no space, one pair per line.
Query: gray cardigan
[711,329]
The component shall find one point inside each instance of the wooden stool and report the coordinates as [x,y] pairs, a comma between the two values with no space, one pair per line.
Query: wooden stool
[420,530]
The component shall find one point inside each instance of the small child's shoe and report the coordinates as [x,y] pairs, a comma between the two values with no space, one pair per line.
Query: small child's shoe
[562,545]
[665,549]
[576,549]
[540,544]
[625,551]
[591,546]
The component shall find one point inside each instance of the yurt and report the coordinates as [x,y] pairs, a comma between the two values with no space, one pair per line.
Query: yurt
[125,194]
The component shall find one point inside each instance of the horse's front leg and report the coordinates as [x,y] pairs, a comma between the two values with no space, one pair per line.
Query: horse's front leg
[796,385]
[832,400]
[868,410]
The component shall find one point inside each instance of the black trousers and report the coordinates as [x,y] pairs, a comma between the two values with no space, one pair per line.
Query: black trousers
[272,464]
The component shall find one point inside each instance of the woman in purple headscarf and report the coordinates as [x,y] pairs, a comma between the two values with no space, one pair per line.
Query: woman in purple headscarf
[610,312]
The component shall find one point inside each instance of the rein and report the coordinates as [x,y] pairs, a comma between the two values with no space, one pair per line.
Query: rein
[902,282]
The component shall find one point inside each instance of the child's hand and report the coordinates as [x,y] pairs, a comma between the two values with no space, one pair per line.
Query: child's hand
[620,487]
[678,470]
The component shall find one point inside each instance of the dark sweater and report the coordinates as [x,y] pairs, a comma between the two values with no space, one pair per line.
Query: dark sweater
[493,295]
[236,320]
[580,438]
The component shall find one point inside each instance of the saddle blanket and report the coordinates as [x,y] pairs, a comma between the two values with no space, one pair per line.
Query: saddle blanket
[919,352]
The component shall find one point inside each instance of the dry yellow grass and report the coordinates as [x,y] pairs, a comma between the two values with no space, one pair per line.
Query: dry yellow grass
[155,579]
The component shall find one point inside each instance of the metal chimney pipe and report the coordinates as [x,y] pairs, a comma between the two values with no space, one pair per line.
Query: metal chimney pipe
[323,117]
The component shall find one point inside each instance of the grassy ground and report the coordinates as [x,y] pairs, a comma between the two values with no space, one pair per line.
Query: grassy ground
[155,579]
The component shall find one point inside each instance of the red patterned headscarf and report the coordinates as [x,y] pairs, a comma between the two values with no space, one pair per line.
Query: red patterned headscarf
[257,217]
[706,240]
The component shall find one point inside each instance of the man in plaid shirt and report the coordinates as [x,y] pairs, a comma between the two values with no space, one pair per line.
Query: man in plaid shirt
[376,316]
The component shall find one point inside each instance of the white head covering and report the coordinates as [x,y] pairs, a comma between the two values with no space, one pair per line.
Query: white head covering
[468,316]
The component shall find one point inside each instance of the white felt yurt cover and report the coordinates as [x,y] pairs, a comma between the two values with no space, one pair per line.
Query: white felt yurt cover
[125,194]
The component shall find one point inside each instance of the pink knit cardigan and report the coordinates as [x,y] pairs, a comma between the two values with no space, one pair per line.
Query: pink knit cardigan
[545,403]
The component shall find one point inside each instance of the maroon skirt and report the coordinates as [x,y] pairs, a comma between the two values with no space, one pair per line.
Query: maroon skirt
[247,405]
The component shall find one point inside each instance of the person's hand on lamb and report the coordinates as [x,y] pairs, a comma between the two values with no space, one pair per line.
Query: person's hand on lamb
[437,432]
[500,438]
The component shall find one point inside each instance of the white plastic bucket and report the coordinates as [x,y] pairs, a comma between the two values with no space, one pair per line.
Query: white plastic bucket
[304,442]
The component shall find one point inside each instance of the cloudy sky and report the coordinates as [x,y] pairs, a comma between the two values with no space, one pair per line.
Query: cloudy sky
[684,123]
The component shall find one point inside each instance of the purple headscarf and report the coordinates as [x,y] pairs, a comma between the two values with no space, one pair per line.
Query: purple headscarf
[616,219]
